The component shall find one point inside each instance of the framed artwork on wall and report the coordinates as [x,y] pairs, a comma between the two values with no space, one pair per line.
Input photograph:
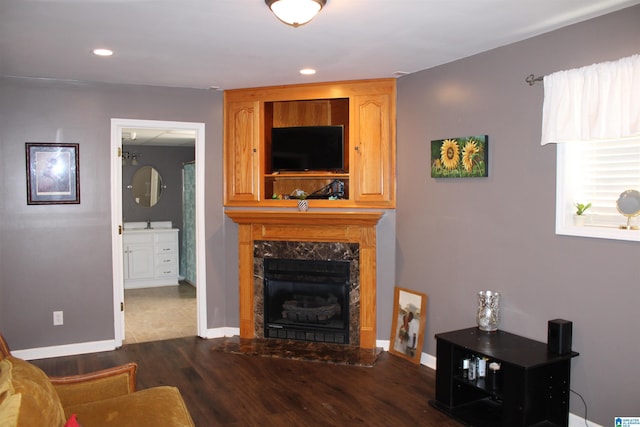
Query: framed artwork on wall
[53,173]
[466,157]
[408,324]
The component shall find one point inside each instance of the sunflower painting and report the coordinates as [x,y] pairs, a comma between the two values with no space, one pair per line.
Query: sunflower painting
[460,157]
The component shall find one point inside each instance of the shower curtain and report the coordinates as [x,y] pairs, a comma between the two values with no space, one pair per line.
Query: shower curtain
[188,252]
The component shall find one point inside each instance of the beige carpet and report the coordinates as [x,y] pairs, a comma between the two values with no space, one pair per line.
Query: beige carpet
[153,314]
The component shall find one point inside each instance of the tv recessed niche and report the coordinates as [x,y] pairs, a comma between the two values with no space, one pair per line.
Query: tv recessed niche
[307,148]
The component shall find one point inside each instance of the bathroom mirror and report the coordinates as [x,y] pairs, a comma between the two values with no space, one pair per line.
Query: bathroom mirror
[629,205]
[146,186]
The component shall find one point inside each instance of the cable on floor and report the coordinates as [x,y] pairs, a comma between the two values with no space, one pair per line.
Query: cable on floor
[584,403]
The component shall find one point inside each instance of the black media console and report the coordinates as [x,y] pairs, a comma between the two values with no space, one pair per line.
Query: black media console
[531,387]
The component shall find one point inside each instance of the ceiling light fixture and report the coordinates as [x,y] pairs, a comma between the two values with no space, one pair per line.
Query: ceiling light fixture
[295,12]
[102,52]
[307,71]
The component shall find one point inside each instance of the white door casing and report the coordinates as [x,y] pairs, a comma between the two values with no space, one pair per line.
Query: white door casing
[117,125]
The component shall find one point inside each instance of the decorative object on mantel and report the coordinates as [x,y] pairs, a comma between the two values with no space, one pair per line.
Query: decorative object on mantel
[488,310]
[53,173]
[580,218]
[628,204]
[466,157]
[301,195]
[303,205]
[408,324]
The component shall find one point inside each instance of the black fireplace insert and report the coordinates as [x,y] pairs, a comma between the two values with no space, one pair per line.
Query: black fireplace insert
[306,300]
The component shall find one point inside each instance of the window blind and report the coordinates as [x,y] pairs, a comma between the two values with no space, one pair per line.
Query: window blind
[604,170]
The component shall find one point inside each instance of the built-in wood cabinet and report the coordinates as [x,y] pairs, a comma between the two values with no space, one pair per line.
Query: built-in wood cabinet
[365,108]
[242,152]
[373,150]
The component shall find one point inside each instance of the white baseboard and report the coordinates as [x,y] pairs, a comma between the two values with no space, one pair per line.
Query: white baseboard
[425,359]
[428,360]
[383,343]
[221,332]
[150,283]
[576,421]
[64,350]
[98,346]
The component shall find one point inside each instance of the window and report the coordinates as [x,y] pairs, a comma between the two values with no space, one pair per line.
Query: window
[593,115]
[596,172]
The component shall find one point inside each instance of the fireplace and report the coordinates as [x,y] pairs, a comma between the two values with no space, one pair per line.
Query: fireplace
[306,300]
[348,236]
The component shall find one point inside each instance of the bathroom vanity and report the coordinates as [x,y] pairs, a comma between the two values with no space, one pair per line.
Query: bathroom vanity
[150,254]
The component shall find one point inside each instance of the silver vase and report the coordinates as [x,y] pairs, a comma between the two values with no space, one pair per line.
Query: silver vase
[303,205]
[488,310]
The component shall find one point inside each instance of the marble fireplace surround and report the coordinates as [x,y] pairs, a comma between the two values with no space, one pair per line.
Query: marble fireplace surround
[333,251]
[323,227]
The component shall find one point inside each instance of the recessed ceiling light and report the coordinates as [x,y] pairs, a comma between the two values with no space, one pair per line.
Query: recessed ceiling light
[400,73]
[102,52]
[307,71]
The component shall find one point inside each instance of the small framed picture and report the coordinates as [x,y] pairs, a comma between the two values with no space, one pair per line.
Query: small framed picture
[466,157]
[408,324]
[53,173]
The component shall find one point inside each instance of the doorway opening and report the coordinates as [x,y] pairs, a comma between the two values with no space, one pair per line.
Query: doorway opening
[151,233]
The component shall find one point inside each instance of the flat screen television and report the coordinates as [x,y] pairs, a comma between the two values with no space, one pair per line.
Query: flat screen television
[307,148]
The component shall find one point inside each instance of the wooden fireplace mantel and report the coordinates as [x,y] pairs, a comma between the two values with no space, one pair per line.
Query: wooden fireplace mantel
[307,218]
[321,226]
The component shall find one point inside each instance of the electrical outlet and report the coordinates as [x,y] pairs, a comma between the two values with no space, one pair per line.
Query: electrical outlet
[58,318]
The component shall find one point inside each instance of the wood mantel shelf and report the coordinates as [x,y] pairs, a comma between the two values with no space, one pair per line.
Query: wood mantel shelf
[319,226]
[304,218]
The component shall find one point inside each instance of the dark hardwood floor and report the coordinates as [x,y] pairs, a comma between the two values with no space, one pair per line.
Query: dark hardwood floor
[227,389]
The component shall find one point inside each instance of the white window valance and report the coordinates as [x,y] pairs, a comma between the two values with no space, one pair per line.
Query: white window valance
[599,101]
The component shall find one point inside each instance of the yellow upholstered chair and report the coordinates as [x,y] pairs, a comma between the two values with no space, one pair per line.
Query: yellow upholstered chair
[28,397]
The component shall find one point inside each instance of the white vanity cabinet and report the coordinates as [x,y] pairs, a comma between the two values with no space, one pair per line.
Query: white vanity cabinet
[138,256]
[150,258]
[166,255]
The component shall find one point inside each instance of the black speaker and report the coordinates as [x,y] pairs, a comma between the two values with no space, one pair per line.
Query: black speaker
[559,336]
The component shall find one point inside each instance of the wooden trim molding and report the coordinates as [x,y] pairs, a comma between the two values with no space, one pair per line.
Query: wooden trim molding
[323,226]
[304,218]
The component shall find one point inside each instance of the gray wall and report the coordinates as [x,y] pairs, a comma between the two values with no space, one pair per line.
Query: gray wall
[168,162]
[58,257]
[458,236]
